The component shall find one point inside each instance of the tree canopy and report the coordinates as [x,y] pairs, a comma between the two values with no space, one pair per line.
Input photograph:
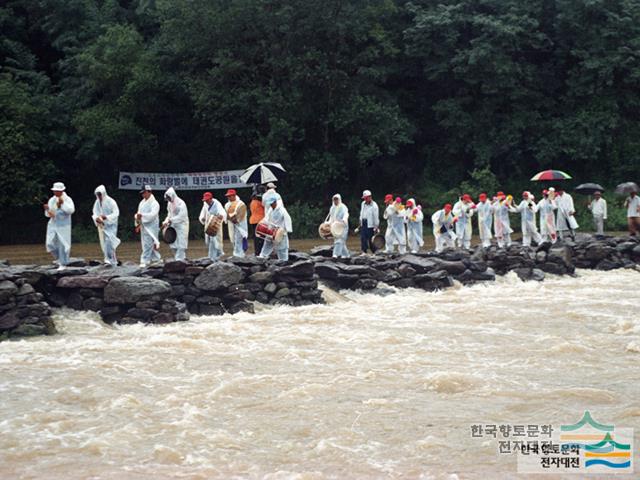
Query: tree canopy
[424,97]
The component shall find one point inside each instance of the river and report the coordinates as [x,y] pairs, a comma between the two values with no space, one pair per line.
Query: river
[364,387]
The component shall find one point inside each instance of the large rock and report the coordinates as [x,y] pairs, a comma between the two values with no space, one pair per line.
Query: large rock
[300,269]
[85,281]
[328,271]
[420,265]
[598,251]
[452,267]
[560,254]
[219,275]
[7,290]
[9,320]
[322,251]
[124,290]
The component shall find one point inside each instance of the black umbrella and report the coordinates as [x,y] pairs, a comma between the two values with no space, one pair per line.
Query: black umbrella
[626,188]
[589,188]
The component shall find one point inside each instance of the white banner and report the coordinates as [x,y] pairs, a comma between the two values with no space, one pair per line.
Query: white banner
[182,181]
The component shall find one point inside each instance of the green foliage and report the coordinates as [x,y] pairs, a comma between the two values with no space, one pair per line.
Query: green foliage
[426,99]
[305,219]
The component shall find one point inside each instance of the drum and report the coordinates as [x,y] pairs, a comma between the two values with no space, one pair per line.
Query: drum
[213,225]
[377,242]
[266,231]
[169,235]
[237,212]
[337,229]
[324,230]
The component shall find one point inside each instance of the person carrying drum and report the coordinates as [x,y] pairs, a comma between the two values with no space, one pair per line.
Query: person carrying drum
[237,222]
[212,216]
[178,218]
[339,221]
[276,226]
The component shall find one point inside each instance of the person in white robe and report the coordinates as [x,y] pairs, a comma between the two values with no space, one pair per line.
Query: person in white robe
[565,220]
[178,218]
[105,218]
[501,222]
[463,210]
[237,223]
[485,219]
[396,234]
[415,217]
[147,221]
[546,209]
[339,213]
[279,218]
[59,210]
[527,209]
[443,228]
[598,207]
[211,207]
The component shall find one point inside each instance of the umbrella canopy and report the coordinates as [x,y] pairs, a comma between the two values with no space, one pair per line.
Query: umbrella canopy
[262,173]
[626,188]
[550,175]
[589,188]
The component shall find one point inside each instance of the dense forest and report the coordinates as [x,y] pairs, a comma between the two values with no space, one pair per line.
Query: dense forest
[427,97]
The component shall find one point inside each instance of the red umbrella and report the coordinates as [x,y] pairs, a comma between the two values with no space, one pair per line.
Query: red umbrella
[550,175]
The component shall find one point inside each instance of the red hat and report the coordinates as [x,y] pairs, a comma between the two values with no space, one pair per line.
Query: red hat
[483,196]
[500,195]
[388,198]
[207,196]
[466,197]
[447,206]
[398,200]
[545,192]
[409,202]
[230,192]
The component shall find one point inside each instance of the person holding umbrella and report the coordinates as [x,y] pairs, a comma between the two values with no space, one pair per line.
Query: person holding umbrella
[598,207]
[632,203]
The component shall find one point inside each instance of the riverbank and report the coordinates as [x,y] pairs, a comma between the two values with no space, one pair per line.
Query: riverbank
[130,251]
[171,292]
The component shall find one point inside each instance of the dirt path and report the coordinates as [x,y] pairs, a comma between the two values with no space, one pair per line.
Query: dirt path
[130,251]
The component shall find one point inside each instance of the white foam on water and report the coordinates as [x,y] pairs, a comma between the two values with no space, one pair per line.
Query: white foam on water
[367,386]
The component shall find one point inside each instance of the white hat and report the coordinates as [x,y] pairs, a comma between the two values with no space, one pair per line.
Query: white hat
[551,189]
[58,187]
[271,185]
[366,193]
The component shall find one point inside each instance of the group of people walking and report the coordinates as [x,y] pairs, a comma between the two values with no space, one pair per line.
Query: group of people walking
[271,223]
[267,208]
[453,224]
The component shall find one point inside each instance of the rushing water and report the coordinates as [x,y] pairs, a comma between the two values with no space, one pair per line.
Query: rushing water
[364,387]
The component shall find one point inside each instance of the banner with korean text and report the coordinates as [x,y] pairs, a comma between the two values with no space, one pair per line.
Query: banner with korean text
[182,181]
